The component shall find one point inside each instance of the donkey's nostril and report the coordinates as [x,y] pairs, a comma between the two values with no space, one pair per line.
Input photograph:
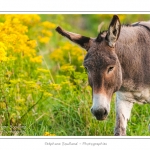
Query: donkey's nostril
[105,112]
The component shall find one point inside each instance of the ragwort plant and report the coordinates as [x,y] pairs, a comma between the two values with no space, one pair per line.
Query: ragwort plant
[23,81]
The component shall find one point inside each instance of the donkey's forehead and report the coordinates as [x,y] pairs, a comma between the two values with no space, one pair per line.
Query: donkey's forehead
[100,54]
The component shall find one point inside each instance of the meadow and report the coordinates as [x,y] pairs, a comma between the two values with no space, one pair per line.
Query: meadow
[43,85]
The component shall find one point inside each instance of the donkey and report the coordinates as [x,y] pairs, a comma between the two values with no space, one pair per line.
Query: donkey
[117,60]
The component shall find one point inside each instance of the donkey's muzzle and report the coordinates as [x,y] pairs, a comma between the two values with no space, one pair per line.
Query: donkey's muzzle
[100,114]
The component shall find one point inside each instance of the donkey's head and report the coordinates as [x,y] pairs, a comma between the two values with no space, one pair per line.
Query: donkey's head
[102,64]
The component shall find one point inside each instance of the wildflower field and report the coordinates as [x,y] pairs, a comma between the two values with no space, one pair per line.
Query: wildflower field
[43,84]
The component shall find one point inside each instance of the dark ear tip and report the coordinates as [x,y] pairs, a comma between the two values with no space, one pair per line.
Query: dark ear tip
[58,29]
[115,17]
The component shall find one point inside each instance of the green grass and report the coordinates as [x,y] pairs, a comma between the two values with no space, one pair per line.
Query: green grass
[71,117]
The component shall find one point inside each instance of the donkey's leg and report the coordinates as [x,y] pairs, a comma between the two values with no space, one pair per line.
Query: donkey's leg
[123,110]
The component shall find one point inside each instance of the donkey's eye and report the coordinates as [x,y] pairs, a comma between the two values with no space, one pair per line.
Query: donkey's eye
[110,69]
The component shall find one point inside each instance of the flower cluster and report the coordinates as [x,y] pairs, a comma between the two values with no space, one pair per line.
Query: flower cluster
[68,54]
[49,134]
[14,39]
[23,81]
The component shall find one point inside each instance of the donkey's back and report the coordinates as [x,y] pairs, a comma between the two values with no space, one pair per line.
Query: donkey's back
[133,50]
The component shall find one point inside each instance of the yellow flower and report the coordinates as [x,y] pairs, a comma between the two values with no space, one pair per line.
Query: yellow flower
[2,105]
[43,39]
[32,43]
[56,86]
[30,20]
[37,59]
[15,20]
[3,56]
[48,25]
[47,94]
[20,100]
[18,108]
[42,70]
[46,32]
[67,68]
[48,134]
[68,53]
[15,81]
[9,73]
[88,88]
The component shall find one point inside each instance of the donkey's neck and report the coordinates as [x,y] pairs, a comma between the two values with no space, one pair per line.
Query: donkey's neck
[133,51]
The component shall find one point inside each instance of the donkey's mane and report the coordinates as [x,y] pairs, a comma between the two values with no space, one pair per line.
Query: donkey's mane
[126,25]
[101,36]
[136,25]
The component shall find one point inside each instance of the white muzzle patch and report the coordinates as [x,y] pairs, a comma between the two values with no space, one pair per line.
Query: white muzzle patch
[100,107]
[100,101]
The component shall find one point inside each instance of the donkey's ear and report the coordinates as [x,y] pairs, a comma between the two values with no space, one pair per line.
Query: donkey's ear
[113,31]
[83,41]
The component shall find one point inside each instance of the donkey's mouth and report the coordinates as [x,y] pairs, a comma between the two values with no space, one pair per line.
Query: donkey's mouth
[101,118]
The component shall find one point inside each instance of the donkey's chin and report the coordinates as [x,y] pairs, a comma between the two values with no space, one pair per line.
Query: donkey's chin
[101,118]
